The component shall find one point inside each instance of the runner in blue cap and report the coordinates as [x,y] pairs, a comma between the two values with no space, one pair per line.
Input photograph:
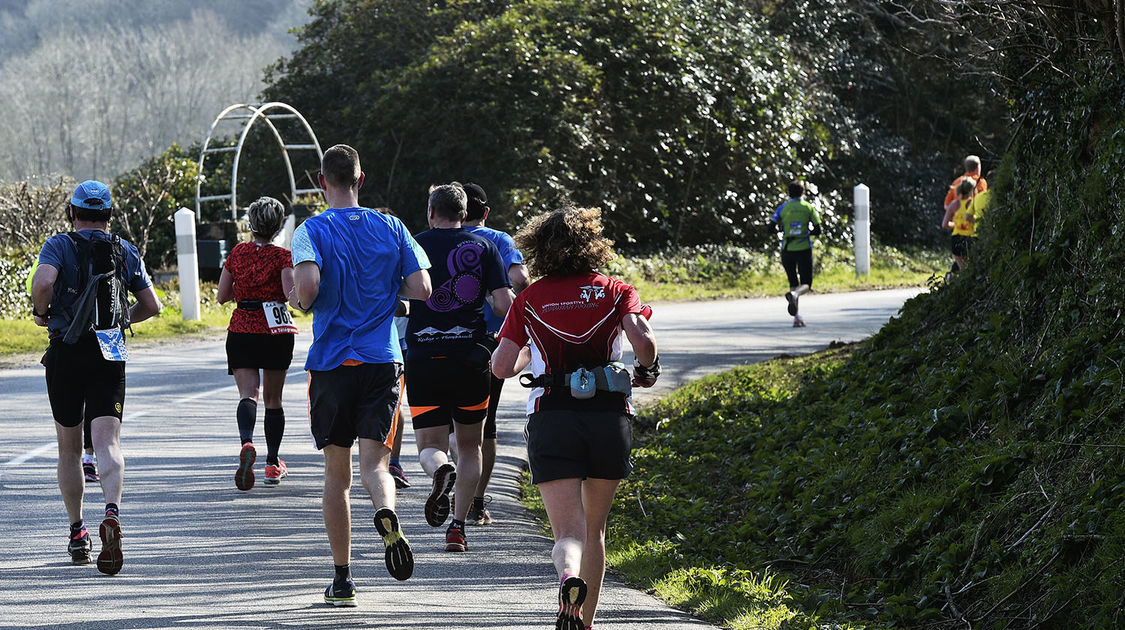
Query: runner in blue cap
[79,293]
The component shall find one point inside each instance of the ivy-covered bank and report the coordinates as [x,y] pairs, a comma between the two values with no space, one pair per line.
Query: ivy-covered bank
[964,468]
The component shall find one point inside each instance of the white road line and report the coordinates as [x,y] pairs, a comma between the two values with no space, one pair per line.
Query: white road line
[32,454]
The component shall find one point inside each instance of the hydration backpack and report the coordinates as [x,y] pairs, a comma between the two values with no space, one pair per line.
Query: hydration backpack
[103,298]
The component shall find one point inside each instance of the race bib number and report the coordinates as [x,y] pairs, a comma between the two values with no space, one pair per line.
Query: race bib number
[796,228]
[112,344]
[278,318]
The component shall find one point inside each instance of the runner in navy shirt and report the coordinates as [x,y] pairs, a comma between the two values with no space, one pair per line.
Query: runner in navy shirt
[446,359]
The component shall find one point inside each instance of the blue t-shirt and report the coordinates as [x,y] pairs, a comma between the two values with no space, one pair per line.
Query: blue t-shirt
[468,268]
[363,256]
[509,253]
[60,252]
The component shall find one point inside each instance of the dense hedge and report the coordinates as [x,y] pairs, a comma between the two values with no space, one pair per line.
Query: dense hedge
[965,466]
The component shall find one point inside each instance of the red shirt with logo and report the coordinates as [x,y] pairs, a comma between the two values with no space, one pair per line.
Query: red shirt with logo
[571,322]
[256,271]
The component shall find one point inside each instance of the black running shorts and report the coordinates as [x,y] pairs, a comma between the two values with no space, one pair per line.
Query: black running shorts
[448,388]
[798,266]
[354,401]
[81,384]
[578,445]
[259,351]
[961,244]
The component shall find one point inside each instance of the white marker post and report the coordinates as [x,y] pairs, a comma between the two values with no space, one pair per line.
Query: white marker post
[284,238]
[188,261]
[862,230]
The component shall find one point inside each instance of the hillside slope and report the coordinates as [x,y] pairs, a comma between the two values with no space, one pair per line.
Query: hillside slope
[967,465]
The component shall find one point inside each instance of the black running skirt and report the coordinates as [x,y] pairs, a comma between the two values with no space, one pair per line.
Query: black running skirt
[261,351]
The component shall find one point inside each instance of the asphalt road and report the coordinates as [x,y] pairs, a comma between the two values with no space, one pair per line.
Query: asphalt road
[201,554]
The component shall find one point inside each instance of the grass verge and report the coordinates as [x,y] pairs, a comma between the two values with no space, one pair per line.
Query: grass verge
[715,272]
[678,527]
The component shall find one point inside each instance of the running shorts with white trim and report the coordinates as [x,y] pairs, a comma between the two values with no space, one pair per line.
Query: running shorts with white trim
[81,384]
[259,351]
[353,401]
[578,445]
[798,266]
[446,389]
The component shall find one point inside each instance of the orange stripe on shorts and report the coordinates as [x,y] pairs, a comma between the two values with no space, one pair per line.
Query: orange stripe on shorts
[483,405]
[416,411]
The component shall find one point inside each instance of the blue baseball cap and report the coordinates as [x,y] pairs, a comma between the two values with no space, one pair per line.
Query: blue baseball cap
[92,195]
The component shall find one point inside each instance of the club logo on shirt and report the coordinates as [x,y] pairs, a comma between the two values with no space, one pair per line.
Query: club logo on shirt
[591,293]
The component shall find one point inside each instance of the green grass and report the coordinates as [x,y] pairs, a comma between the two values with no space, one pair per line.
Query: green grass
[708,272]
[714,272]
[678,528]
[20,336]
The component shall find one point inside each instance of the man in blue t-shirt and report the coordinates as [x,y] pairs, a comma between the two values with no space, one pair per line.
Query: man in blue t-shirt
[350,265]
[476,214]
[86,381]
[447,359]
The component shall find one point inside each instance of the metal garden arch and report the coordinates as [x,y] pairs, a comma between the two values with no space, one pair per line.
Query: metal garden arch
[248,115]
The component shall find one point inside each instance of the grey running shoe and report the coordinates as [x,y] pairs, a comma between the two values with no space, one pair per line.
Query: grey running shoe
[478,513]
[79,546]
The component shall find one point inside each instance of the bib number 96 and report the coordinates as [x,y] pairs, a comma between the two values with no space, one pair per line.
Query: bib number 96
[278,318]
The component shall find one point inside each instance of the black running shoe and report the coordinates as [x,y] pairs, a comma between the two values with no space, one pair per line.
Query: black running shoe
[340,593]
[792,299]
[572,592]
[110,559]
[399,557]
[437,505]
[79,546]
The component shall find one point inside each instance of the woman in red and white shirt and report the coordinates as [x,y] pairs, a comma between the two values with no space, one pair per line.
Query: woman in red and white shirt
[567,327]
[259,276]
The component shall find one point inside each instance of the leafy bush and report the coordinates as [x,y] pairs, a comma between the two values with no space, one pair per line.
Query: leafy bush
[964,466]
[147,197]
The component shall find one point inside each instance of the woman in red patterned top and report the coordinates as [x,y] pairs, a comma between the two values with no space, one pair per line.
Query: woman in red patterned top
[259,276]
[567,328]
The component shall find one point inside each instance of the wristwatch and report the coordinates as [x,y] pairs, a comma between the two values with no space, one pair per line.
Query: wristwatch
[647,372]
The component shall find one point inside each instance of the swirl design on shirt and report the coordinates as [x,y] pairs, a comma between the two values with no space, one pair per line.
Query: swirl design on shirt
[464,284]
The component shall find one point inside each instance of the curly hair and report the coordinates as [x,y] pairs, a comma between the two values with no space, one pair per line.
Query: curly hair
[266,217]
[565,242]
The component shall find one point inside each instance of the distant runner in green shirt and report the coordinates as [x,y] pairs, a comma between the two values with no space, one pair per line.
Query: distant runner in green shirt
[797,221]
